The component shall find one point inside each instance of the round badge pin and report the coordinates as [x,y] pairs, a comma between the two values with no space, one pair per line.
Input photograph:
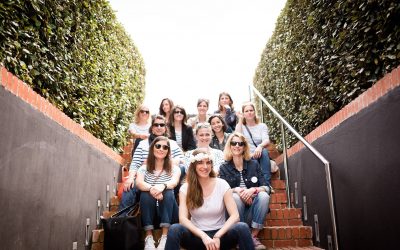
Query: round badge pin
[254,179]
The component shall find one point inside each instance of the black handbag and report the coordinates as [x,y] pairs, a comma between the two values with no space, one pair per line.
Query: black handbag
[123,232]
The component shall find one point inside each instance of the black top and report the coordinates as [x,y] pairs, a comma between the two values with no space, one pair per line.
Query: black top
[188,142]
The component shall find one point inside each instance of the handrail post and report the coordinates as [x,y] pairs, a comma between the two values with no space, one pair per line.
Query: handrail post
[331,203]
[285,165]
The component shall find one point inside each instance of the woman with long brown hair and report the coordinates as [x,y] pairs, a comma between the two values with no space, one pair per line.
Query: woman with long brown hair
[156,180]
[204,201]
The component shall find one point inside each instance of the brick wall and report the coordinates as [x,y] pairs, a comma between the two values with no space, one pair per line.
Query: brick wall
[24,92]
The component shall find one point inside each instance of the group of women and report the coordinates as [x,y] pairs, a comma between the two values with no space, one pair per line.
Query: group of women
[224,198]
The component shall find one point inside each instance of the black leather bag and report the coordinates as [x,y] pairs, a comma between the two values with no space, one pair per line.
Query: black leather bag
[123,232]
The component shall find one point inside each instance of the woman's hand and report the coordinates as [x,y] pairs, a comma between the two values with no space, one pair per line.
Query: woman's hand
[247,195]
[257,152]
[210,244]
[128,183]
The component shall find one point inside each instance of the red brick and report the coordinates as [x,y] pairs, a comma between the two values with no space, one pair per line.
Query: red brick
[3,76]
[288,232]
[284,243]
[274,233]
[268,243]
[295,213]
[303,233]
[295,222]
[98,235]
[114,201]
[286,213]
[296,232]
[304,242]
[282,233]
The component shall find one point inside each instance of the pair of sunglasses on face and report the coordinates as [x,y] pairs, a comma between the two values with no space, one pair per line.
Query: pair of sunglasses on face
[159,125]
[164,147]
[237,143]
[179,112]
[144,111]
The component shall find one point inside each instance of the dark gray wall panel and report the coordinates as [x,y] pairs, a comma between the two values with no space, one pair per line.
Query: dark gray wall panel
[364,152]
[50,180]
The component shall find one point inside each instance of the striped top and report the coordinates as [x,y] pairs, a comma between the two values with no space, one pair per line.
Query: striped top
[242,184]
[142,151]
[157,177]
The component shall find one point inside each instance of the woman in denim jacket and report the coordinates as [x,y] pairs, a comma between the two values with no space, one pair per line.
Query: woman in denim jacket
[250,191]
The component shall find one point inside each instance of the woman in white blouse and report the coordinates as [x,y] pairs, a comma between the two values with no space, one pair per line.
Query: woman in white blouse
[204,201]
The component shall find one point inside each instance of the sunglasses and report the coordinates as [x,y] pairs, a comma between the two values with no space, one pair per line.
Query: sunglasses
[159,125]
[179,112]
[164,147]
[144,111]
[237,143]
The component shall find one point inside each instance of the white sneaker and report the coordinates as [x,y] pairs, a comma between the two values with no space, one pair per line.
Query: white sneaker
[149,243]
[161,242]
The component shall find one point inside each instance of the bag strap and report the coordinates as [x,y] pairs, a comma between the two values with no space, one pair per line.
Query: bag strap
[251,136]
[130,208]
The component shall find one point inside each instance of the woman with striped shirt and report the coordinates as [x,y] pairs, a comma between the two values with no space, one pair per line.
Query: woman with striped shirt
[156,180]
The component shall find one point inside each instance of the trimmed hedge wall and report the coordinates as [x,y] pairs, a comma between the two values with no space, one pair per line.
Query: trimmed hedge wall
[322,55]
[75,54]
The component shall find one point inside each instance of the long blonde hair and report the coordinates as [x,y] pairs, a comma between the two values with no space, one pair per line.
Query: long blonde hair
[194,197]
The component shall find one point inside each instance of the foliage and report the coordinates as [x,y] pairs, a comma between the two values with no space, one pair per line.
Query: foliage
[323,54]
[75,54]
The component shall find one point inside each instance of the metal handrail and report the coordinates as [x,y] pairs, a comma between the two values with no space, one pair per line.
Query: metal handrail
[315,152]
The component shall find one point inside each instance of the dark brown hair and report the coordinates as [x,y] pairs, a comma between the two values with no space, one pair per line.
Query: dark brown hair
[171,116]
[219,98]
[171,104]
[151,159]
[224,126]
[194,197]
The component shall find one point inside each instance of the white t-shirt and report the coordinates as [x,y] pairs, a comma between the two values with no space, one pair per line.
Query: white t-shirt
[139,129]
[210,216]
[259,133]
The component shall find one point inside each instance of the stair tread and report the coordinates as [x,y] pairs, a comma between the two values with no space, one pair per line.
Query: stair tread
[297,248]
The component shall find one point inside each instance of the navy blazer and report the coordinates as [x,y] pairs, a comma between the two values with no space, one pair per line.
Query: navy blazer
[252,174]
[188,142]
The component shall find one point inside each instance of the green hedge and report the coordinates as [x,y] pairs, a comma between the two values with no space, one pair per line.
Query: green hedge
[75,54]
[323,54]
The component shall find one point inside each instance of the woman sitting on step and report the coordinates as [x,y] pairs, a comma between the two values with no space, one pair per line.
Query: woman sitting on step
[256,134]
[250,191]
[179,131]
[219,128]
[203,203]
[203,138]
[156,181]
[225,109]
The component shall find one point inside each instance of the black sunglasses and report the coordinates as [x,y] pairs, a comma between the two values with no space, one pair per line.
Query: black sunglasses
[237,143]
[159,125]
[178,112]
[144,111]
[164,147]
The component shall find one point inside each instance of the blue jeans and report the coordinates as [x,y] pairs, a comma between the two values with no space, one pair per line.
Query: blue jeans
[165,209]
[128,198]
[254,215]
[180,236]
[265,165]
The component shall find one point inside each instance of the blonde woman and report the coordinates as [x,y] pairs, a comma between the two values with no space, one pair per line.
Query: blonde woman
[250,190]
[139,128]
[204,201]
[256,134]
